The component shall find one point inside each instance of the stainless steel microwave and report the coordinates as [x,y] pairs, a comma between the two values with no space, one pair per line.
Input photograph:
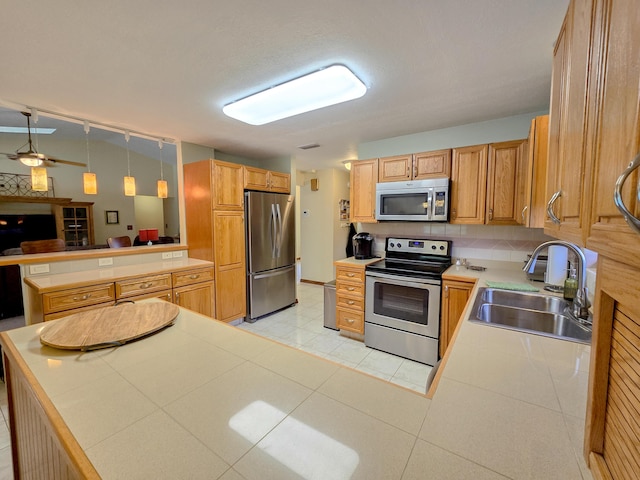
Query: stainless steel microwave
[416,201]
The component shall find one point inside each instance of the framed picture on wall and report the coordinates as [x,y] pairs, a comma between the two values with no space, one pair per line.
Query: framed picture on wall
[111,217]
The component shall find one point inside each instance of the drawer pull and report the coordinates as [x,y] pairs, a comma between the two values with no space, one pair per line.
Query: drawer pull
[351,289]
[351,274]
[351,302]
[194,276]
[86,296]
[350,320]
[146,285]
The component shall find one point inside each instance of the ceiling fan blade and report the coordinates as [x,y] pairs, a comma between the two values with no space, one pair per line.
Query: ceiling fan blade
[65,162]
[10,156]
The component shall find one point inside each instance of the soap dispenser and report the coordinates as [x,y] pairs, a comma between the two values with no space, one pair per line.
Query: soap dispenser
[570,285]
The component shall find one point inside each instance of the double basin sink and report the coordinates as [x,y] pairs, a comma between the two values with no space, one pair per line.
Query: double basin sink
[529,313]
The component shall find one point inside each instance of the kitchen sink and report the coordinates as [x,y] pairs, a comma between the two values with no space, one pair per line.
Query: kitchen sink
[529,313]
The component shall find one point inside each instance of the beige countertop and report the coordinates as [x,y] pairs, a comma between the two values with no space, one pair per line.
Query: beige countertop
[353,262]
[47,283]
[203,399]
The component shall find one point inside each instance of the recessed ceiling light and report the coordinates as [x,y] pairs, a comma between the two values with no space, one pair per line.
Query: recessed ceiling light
[329,86]
[40,131]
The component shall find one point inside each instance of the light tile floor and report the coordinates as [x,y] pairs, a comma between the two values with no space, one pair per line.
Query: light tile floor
[302,327]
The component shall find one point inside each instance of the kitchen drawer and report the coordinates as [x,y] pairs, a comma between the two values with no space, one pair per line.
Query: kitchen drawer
[189,277]
[165,295]
[350,274]
[56,315]
[351,320]
[142,285]
[77,297]
[353,289]
[350,302]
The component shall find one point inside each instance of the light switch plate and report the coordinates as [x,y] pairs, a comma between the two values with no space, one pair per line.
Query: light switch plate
[103,262]
[167,255]
[177,254]
[43,268]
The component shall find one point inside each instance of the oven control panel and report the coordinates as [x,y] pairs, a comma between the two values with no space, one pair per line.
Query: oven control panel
[418,245]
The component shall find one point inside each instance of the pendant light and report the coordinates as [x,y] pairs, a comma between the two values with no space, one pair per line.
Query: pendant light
[39,181]
[129,181]
[163,189]
[89,180]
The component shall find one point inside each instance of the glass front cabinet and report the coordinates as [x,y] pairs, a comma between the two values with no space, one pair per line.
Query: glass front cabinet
[74,223]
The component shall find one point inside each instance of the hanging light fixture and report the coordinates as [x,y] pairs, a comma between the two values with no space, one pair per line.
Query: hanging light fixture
[89,180]
[129,181]
[39,181]
[163,189]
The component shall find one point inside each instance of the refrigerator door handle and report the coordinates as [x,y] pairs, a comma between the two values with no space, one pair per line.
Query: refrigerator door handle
[279,230]
[275,273]
[274,231]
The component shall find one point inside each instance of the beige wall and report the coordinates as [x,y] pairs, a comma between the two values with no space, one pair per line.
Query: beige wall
[322,239]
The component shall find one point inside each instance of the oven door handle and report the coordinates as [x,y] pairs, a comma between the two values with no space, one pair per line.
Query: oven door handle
[408,281]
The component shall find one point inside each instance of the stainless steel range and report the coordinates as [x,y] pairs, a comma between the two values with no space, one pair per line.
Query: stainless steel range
[402,301]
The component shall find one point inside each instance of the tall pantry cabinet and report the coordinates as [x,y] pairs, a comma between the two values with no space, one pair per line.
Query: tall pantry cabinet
[214,207]
[594,135]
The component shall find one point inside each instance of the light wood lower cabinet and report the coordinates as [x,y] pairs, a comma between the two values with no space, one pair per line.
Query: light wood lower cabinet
[350,298]
[455,295]
[193,289]
[613,403]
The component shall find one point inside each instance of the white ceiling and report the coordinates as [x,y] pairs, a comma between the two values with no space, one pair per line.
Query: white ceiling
[167,68]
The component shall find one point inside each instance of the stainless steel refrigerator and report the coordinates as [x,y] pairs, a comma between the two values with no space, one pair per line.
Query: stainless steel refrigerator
[270,241]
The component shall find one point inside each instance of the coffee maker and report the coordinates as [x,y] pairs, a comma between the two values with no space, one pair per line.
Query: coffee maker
[363,245]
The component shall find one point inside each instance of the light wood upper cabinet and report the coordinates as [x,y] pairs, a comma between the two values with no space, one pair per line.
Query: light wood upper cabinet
[362,198]
[228,186]
[394,169]
[415,167]
[505,183]
[265,180]
[613,140]
[468,184]
[567,126]
[533,208]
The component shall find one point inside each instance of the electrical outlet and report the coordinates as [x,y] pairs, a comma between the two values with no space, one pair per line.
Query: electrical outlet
[103,262]
[167,255]
[177,254]
[43,268]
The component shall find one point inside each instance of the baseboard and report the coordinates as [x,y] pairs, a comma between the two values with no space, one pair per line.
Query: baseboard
[312,282]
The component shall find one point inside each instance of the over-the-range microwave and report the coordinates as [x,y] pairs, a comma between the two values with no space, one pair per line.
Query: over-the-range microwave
[417,200]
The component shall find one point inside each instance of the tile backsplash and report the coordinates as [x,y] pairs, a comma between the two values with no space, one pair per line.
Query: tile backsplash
[483,242]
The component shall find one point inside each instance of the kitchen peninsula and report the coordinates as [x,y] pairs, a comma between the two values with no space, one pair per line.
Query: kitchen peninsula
[203,399]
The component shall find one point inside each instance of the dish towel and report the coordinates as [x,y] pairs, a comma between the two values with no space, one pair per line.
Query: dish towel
[522,287]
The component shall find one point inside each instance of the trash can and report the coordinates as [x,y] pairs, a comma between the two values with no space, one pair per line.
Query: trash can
[330,305]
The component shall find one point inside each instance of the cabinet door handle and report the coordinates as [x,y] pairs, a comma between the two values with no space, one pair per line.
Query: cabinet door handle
[631,220]
[177,296]
[524,221]
[453,213]
[552,200]
[491,214]
[415,171]
[446,291]
[86,296]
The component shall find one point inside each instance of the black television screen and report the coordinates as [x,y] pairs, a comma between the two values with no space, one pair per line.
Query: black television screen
[19,228]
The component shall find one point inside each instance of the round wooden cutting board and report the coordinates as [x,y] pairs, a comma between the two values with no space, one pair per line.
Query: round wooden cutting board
[108,326]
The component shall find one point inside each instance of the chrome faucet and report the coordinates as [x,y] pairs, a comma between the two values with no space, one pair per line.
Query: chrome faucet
[581,304]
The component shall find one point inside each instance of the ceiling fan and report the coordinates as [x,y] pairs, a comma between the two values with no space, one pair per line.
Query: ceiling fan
[31,157]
